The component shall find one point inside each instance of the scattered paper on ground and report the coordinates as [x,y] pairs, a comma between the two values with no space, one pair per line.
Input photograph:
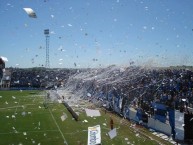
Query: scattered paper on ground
[59,101]
[90,112]
[85,121]
[63,117]
[23,113]
[112,133]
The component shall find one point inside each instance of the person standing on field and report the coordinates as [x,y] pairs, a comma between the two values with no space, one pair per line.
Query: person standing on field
[111,123]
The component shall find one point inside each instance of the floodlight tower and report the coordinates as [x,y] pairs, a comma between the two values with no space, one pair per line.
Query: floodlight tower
[46,32]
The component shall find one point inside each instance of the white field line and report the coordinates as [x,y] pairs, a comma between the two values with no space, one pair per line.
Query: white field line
[58,128]
[10,107]
[17,106]
[34,99]
[43,131]
[77,132]
[32,96]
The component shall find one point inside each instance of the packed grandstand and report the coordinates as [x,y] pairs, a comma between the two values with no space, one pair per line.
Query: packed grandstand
[132,83]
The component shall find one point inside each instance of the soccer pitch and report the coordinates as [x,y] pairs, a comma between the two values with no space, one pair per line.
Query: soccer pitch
[25,121]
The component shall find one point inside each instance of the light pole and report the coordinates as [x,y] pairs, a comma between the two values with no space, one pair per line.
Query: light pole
[46,32]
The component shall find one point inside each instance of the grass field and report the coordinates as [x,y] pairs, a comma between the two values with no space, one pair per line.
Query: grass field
[25,121]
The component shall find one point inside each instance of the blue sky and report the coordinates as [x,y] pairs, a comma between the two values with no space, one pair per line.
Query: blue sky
[97,33]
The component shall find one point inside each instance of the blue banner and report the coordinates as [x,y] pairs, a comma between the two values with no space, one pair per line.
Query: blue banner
[160,112]
[171,113]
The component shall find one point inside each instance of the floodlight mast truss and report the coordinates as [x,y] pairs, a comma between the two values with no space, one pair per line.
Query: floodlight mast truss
[46,32]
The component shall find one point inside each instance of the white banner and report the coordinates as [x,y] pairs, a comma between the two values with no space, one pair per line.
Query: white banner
[179,121]
[92,113]
[94,135]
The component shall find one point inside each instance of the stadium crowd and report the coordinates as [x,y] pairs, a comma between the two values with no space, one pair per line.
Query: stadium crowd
[38,78]
[136,86]
[133,85]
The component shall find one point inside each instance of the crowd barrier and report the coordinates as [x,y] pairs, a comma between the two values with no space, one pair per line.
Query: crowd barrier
[152,123]
[159,126]
[156,123]
[131,114]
